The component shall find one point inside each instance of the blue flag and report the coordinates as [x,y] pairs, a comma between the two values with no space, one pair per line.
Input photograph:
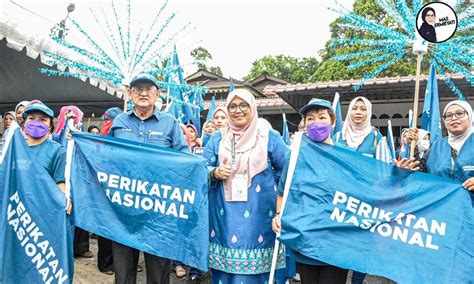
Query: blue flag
[336,105]
[212,108]
[431,118]
[156,204]
[286,133]
[180,106]
[36,244]
[231,85]
[358,213]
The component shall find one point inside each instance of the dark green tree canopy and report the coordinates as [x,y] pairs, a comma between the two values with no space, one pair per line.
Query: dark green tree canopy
[291,69]
[202,57]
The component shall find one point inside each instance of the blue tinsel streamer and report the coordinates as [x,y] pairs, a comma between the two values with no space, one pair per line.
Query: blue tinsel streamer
[379,70]
[454,66]
[61,60]
[141,55]
[447,81]
[85,53]
[94,44]
[155,20]
[119,28]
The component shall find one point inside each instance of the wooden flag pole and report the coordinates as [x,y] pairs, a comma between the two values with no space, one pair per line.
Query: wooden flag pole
[295,151]
[420,48]
[415,102]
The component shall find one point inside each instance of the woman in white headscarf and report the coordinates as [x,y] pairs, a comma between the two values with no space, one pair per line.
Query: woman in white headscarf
[358,133]
[246,159]
[20,107]
[453,156]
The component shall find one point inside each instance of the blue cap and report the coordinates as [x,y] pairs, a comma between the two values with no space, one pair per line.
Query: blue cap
[316,103]
[37,105]
[144,77]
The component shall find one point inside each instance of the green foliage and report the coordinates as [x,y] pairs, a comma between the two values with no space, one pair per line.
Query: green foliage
[216,70]
[333,70]
[292,69]
[202,57]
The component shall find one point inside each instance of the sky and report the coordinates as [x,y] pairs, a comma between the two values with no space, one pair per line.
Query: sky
[235,32]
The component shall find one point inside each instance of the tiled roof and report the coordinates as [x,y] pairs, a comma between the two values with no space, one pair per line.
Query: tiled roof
[276,89]
[264,102]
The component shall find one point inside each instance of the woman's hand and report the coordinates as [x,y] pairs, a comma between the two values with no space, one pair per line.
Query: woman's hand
[276,224]
[409,164]
[68,206]
[222,172]
[412,135]
[469,184]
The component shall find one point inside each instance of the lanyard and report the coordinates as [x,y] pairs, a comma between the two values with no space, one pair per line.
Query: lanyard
[232,151]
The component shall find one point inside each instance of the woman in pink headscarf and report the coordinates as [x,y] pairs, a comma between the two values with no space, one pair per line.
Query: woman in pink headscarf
[193,136]
[68,112]
[246,159]
[220,118]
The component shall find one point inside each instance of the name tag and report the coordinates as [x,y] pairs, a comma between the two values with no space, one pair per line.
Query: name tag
[198,150]
[368,155]
[468,168]
[126,129]
[239,188]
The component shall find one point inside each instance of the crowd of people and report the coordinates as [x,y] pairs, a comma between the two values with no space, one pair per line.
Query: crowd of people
[248,164]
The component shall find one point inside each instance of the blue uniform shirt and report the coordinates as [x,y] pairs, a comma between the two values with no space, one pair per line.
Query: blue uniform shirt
[52,156]
[161,129]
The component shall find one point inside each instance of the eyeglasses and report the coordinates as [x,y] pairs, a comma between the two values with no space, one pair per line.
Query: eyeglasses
[233,107]
[148,90]
[459,114]
[430,15]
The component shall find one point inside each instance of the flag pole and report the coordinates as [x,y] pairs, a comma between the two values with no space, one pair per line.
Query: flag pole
[420,47]
[415,102]
[295,150]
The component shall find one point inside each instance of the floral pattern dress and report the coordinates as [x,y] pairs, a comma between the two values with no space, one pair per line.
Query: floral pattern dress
[241,236]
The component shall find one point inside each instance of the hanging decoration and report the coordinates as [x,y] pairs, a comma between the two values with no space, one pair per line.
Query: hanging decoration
[384,45]
[119,49]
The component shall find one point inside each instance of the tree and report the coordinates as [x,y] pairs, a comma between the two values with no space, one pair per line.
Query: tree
[291,69]
[333,70]
[202,57]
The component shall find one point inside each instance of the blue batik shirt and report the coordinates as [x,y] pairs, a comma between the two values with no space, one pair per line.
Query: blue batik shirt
[161,129]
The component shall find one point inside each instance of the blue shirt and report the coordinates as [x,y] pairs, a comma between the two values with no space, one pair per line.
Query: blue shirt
[161,129]
[52,156]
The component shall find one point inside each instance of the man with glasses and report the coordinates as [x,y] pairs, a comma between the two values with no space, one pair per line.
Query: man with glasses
[144,123]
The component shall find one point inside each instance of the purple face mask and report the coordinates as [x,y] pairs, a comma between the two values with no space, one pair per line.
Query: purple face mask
[36,129]
[318,131]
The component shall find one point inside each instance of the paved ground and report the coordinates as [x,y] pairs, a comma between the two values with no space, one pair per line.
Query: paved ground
[86,272]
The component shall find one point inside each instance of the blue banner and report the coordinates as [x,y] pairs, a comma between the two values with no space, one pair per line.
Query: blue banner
[35,247]
[150,198]
[362,214]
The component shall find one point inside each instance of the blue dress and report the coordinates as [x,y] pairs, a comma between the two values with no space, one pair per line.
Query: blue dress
[241,237]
